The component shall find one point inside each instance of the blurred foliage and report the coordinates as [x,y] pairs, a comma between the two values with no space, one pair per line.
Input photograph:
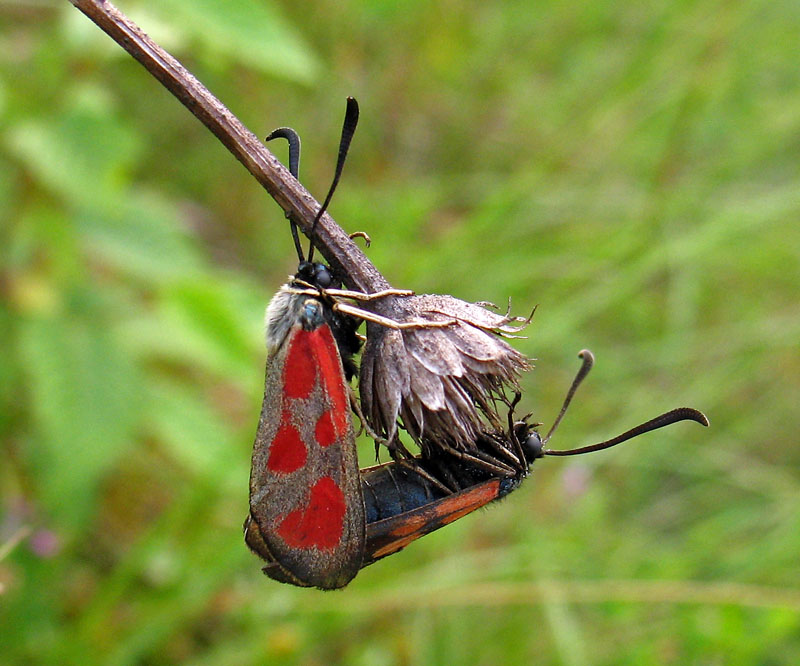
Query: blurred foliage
[633,168]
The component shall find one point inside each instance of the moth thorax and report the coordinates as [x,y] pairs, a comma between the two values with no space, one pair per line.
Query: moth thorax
[288,308]
[311,314]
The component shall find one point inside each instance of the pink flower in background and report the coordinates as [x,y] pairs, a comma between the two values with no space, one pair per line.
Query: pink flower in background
[45,543]
[575,480]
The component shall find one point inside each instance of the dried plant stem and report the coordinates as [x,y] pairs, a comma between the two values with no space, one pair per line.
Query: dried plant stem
[434,363]
[344,256]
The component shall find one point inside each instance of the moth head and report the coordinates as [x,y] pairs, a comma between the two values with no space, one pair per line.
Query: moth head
[316,274]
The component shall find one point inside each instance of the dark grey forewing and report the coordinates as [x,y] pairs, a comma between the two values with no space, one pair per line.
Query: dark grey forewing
[273,496]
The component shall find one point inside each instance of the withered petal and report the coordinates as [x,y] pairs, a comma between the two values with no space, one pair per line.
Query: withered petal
[435,351]
[426,386]
[472,342]
[441,383]
[471,313]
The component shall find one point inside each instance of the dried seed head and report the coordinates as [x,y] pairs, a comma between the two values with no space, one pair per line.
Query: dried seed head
[443,385]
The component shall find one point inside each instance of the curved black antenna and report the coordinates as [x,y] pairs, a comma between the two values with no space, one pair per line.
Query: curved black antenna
[660,421]
[294,168]
[586,366]
[348,129]
[294,147]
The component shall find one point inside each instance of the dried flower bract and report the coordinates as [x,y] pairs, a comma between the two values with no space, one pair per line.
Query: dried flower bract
[442,384]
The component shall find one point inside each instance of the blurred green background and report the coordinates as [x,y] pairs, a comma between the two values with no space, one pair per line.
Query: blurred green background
[633,168]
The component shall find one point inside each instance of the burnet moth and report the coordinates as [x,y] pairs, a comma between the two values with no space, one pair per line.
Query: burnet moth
[405,502]
[307,515]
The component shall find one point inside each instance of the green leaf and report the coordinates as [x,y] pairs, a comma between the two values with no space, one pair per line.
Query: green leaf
[3,97]
[216,322]
[81,153]
[254,33]
[194,432]
[9,187]
[144,236]
[85,394]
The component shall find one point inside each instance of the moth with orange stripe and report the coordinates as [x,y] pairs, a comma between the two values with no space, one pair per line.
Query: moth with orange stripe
[407,502]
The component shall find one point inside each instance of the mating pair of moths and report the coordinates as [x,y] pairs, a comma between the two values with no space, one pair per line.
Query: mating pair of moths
[433,366]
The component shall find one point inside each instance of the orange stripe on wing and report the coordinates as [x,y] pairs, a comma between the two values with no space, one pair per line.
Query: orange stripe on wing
[387,536]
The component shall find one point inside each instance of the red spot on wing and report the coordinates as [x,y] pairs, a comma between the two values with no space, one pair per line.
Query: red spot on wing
[320,523]
[333,385]
[311,352]
[287,453]
[300,370]
[324,432]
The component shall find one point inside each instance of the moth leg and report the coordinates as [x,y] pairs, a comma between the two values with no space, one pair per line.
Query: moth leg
[361,234]
[356,407]
[361,296]
[512,433]
[397,450]
[305,288]
[515,458]
[447,475]
[490,460]
[389,323]
[495,466]
[506,330]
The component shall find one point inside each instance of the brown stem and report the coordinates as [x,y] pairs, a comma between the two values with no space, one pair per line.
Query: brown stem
[344,256]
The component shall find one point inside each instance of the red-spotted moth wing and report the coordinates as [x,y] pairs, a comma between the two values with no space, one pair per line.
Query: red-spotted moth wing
[306,506]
